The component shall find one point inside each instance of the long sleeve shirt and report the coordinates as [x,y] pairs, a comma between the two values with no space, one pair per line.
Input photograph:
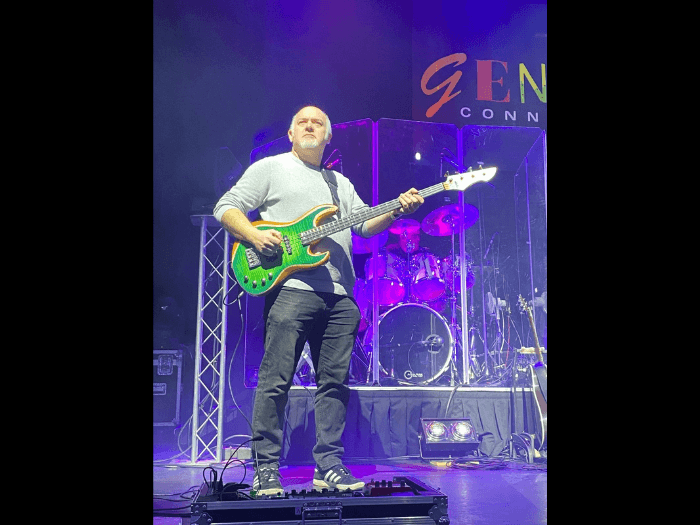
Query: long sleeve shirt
[282,188]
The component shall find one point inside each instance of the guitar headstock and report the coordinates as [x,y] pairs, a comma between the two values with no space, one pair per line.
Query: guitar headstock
[461,181]
[523,305]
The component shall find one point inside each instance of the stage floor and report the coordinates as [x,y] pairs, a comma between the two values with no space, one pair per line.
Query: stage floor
[498,491]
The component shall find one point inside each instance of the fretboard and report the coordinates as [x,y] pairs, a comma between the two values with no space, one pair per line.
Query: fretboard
[315,234]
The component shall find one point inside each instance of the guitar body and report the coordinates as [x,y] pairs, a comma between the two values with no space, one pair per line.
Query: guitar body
[538,373]
[258,274]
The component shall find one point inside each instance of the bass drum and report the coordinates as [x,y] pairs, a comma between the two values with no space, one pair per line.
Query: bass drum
[415,344]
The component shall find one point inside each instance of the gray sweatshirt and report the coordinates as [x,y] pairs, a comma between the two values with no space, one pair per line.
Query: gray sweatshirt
[282,188]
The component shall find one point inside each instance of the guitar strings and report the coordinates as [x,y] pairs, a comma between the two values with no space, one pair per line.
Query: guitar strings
[328,229]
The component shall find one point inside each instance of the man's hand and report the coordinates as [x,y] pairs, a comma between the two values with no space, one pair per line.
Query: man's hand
[267,241]
[237,224]
[410,201]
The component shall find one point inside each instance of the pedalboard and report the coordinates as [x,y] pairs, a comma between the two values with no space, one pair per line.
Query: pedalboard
[402,500]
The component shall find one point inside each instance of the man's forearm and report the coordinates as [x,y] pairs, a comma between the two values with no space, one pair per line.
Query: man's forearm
[237,224]
[379,224]
[410,201]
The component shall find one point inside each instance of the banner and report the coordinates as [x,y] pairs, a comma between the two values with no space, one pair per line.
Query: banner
[494,75]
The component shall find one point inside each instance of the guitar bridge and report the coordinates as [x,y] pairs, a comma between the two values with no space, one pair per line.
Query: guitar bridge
[253,259]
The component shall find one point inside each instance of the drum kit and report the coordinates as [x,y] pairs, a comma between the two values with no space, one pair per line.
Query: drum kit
[417,295]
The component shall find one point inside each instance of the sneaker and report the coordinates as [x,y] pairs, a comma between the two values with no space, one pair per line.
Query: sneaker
[266,481]
[337,477]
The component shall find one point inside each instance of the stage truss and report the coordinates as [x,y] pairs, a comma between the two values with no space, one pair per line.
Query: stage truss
[210,343]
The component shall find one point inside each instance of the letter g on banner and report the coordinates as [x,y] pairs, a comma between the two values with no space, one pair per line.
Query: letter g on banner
[451,82]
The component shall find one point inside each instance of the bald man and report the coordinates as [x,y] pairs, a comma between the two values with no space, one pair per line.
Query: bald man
[314,305]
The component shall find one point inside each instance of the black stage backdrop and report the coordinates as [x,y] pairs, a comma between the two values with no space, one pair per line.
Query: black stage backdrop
[228,77]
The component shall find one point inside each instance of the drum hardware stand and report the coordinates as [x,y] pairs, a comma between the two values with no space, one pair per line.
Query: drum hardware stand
[408,276]
[487,350]
[391,373]
[474,364]
[381,367]
[359,359]
[454,371]
[495,352]
[390,378]
[499,334]
[392,367]
[498,316]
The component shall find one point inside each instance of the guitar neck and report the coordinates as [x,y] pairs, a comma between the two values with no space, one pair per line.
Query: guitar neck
[315,234]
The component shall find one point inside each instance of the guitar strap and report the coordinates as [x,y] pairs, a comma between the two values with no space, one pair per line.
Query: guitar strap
[334,189]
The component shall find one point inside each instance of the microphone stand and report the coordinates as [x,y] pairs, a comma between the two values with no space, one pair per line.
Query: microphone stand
[497,362]
[329,165]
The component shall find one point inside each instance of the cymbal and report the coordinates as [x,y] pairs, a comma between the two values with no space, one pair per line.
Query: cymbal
[403,225]
[362,245]
[445,220]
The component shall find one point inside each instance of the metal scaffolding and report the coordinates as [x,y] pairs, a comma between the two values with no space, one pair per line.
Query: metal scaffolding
[210,344]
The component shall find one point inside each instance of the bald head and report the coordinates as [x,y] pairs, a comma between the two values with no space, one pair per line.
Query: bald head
[307,109]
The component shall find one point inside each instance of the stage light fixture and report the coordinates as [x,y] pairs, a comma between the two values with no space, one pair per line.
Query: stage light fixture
[436,431]
[462,430]
[443,438]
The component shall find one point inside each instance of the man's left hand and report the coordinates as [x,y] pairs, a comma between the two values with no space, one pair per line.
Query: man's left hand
[410,201]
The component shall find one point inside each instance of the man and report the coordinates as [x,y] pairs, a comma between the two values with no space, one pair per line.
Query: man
[314,305]
[408,235]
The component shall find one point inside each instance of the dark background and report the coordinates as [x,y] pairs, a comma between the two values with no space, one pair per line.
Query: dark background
[232,74]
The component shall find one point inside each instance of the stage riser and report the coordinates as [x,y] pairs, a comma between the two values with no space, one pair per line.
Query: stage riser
[384,422]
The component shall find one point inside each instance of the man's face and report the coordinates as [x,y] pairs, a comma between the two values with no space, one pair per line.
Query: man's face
[309,129]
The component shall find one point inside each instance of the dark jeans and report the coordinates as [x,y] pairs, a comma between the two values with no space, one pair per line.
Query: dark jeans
[329,322]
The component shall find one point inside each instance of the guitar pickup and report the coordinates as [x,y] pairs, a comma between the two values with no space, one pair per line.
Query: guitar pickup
[287,244]
[253,259]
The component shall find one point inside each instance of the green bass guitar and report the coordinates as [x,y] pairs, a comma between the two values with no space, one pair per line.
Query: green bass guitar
[259,274]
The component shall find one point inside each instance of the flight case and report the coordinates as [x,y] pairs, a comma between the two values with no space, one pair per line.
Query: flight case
[402,501]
